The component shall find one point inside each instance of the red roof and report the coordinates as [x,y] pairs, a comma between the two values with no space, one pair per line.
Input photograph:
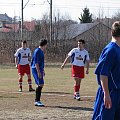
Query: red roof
[29,26]
[5,30]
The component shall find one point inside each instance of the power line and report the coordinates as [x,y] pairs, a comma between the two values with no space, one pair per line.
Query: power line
[112,2]
[26,4]
[66,6]
[70,6]
[61,6]
[20,3]
[96,7]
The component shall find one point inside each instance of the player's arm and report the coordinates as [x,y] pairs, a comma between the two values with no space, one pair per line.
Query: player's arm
[16,57]
[43,72]
[29,56]
[65,61]
[37,65]
[107,99]
[38,70]
[16,62]
[29,59]
[87,63]
[106,63]
[87,66]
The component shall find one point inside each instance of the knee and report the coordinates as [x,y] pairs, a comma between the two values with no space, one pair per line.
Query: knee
[41,85]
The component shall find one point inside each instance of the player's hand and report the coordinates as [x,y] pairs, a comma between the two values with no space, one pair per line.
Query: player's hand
[62,66]
[40,75]
[43,73]
[87,71]
[107,101]
[16,66]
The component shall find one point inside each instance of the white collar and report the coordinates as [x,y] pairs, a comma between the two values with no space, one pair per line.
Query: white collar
[113,40]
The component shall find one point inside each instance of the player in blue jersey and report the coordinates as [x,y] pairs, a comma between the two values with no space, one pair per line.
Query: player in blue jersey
[37,66]
[107,104]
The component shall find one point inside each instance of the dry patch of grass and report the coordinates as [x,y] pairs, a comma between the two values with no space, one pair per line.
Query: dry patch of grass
[57,96]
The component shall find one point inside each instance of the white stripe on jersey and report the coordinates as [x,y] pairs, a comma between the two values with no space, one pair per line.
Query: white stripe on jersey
[78,56]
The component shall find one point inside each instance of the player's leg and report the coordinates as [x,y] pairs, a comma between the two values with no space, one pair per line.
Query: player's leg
[20,82]
[38,96]
[30,83]
[78,74]
[77,82]
[27,71]
[21,74]
[40,84]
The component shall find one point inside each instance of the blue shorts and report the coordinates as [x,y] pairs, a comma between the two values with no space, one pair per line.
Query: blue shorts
[38,81]
[100,112]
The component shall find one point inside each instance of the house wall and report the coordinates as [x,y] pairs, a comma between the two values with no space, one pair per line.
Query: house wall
[96,39]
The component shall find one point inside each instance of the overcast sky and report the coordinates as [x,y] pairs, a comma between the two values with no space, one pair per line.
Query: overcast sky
[72,8]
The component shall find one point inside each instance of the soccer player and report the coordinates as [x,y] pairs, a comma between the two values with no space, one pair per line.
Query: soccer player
[79,57]
[38,72]
[22,61]
[107,104]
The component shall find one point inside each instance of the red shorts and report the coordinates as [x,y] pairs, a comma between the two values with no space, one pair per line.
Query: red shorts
[78,71]
[22,69]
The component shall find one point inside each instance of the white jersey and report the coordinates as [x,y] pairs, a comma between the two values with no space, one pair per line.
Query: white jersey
[23,55]
[78,56]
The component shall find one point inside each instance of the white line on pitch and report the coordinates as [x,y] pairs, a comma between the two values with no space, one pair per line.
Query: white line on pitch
[49,94]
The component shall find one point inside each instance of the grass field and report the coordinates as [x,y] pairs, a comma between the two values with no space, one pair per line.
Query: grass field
[57,97]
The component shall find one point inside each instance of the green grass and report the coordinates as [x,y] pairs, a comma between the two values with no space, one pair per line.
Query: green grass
[56,81]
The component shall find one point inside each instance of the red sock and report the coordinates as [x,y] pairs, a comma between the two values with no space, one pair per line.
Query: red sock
[76,88]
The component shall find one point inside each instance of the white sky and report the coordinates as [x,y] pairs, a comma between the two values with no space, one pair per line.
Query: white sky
[73,8]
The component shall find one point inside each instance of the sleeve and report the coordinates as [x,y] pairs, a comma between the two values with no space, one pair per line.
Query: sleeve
[71,52]
[17,53]
[87,57]
[36,57]
[29,54]
[106,63]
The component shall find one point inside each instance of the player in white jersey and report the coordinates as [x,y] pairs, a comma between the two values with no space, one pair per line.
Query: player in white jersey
[22,61]
[79,57]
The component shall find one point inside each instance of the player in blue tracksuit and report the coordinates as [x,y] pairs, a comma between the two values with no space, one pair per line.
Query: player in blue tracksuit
[37,66]
[107,104]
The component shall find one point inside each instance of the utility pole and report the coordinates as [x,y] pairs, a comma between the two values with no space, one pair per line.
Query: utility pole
[55,32]
[22,8]
[22,20]
[50,21]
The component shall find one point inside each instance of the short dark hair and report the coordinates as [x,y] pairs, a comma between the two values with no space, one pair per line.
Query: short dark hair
[43,42]
[24,42]
[116,29]
[81,40]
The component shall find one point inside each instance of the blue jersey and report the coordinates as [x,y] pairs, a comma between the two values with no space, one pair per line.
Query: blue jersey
[38,57]
[109,65]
